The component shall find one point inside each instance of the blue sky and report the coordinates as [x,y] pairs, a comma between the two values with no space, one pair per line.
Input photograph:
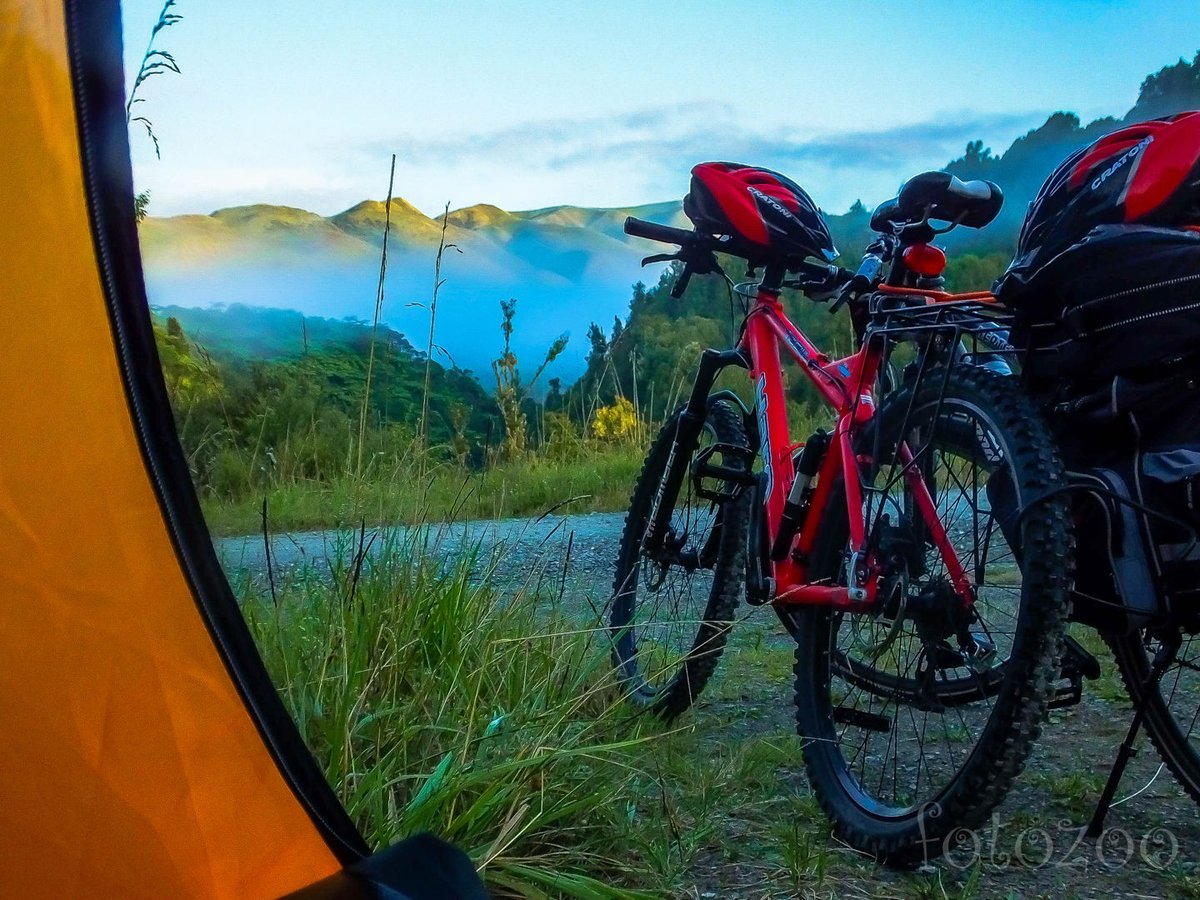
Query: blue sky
[529,104]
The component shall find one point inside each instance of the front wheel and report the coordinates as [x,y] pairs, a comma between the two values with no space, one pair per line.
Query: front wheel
[918,713]
[672,608]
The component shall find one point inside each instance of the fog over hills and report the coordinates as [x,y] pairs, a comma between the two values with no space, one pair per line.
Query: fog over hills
[565,265]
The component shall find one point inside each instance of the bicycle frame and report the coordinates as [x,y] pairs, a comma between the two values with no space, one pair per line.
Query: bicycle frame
[846,385]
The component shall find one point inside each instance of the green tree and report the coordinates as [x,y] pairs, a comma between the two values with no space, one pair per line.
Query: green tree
[1170,90]
[511,393]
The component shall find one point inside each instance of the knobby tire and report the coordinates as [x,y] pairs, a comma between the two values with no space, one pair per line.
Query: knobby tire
[899,828]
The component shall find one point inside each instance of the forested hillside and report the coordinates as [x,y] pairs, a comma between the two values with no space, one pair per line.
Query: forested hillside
[650,354]
[269,397]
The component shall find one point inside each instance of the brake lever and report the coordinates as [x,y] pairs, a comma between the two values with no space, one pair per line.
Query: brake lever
[843,297]
[681,282]
[855,287]
[661,257]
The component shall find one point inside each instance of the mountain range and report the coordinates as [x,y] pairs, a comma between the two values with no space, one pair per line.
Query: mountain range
[567,266]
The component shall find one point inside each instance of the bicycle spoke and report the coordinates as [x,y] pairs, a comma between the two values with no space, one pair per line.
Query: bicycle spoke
[915,682]
[674,596]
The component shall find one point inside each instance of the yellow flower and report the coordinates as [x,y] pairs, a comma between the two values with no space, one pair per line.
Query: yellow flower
[616,421]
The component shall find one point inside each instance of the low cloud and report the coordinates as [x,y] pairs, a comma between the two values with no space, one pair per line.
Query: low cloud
[632,157]
[646,148]
[692,128]
[546,134]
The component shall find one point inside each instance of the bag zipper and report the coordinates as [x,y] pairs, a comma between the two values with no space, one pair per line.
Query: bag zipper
[1143,317]
[1170,282]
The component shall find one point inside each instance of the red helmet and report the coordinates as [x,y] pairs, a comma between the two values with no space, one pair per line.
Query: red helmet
[764,212]
[1147,174]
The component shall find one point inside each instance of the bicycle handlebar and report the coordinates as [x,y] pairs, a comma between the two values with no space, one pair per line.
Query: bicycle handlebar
[664,234]
[819,282]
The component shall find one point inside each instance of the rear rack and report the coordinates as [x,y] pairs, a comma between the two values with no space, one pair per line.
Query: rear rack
[906,316]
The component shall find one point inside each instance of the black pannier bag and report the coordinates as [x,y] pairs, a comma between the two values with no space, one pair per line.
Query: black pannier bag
[1106,277]
[1142,433]
[1132,453]
[1110,330]
[1124,299]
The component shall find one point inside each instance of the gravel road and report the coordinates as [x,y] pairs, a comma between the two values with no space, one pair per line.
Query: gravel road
[524,551]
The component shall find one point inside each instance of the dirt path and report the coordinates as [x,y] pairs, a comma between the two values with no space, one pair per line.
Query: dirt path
[575,550]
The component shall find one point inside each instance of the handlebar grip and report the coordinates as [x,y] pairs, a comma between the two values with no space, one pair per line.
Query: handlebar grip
[664,234]
[816,273]
[819,283]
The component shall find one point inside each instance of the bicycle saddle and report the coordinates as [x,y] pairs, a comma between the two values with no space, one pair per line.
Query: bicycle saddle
[943,197]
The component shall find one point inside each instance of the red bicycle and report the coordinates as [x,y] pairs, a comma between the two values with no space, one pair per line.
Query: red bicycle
[927,644]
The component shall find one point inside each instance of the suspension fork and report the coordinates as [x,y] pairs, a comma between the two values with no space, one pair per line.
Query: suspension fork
[687,436]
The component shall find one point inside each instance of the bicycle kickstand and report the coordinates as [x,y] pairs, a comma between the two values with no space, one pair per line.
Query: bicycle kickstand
[1163,658]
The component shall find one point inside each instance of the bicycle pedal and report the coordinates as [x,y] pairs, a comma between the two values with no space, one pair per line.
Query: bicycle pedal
[1069,694]
[1077,664]
[725,481]
[844,715]
[1076,659]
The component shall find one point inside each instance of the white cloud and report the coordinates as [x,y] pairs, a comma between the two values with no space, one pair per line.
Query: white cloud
[633,157]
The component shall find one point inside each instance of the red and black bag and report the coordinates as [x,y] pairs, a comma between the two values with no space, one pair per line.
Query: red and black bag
[1143,174]
[1105,286]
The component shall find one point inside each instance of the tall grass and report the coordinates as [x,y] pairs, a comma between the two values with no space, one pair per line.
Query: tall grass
[438,281]
[154,62]
[436,704]
[392,491]
[366,398]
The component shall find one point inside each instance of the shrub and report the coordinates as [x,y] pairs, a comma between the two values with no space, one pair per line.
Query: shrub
[615,422]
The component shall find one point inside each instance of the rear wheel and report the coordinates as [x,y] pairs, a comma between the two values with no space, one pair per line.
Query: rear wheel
[1172,705]
[672,609]
[919,712]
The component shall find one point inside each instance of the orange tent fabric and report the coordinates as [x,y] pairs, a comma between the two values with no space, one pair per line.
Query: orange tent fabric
[137,762]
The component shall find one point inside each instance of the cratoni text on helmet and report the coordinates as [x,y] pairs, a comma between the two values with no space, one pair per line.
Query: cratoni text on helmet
[1129,154]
